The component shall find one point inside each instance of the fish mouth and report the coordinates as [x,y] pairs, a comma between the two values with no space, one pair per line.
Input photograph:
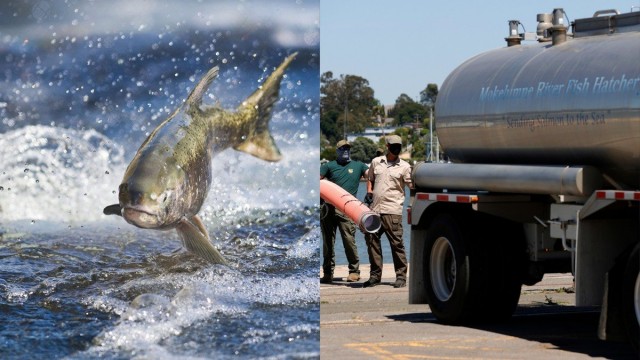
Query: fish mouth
[141,217]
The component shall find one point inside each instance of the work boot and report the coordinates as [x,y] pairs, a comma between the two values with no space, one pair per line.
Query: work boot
[371,283]
[400,283]
[353,277]
[327,279]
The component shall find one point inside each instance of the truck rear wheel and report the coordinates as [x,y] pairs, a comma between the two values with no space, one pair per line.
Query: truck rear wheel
[467,274]
[446,277]
[631,298]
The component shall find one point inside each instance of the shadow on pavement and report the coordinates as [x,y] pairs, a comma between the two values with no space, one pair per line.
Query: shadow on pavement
[355,285]
[572,330]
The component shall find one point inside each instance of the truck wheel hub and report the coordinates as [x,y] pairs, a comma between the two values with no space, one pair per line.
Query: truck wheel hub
[443,269]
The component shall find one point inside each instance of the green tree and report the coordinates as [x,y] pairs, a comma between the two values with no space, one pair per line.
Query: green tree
[328,153]
[325,147]
[406,110]
[351,93]
[419,150]
[428,98]
[429,95]
[363,149]
[405,134]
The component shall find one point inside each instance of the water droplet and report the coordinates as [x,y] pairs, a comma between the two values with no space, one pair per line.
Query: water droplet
[33,221]
[26,170]
[1,188]
[107,172]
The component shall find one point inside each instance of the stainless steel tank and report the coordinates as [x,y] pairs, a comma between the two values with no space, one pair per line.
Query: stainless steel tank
[571,104]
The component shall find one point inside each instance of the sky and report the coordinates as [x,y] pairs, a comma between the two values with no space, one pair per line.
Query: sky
[400,46]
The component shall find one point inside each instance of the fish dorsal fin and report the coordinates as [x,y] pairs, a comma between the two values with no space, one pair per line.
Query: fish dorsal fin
[194,100]
[261,143]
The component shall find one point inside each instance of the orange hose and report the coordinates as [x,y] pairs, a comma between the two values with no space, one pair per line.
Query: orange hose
[367,220]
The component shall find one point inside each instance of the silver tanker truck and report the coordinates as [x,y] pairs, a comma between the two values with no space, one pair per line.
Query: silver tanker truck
[544,141]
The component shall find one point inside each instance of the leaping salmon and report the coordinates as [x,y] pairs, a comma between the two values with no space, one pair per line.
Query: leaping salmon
[168,179]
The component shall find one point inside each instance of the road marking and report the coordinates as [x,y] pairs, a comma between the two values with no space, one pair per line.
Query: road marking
[397,350]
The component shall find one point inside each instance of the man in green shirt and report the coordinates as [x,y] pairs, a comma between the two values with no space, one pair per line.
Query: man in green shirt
[346,173]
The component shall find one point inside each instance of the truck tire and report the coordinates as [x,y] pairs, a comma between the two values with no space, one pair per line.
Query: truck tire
[631,298]
[467,274]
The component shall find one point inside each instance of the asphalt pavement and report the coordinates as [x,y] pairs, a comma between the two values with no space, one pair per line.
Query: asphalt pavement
[378,323]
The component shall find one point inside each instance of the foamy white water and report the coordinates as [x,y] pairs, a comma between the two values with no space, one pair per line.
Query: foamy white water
[56,174]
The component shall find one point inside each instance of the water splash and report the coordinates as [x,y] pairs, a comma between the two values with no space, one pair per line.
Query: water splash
[57,174]
[307,246]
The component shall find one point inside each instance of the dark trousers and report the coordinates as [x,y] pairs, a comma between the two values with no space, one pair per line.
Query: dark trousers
[331,220]
[392,226]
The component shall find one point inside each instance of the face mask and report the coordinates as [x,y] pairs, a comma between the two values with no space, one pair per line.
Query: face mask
[343,156]
[395,149]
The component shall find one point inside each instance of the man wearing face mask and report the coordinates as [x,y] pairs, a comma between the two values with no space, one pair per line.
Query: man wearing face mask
[388,176]
[346,173]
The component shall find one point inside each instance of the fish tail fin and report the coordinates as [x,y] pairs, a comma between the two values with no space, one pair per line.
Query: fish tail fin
[195,238]
[260,143]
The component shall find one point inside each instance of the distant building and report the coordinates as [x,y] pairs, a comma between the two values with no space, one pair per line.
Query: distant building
[373,134]
[414,126]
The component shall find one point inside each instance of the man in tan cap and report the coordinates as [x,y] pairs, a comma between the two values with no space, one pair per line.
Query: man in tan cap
[346,173]
[388,176]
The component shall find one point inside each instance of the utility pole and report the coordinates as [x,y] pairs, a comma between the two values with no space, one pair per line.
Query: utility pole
[430,134]
[346,106]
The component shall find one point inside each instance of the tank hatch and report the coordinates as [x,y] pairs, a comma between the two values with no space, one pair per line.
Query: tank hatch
[607,22]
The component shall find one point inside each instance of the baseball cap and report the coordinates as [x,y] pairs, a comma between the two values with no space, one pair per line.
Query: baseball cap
[393,139]
[342,143]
